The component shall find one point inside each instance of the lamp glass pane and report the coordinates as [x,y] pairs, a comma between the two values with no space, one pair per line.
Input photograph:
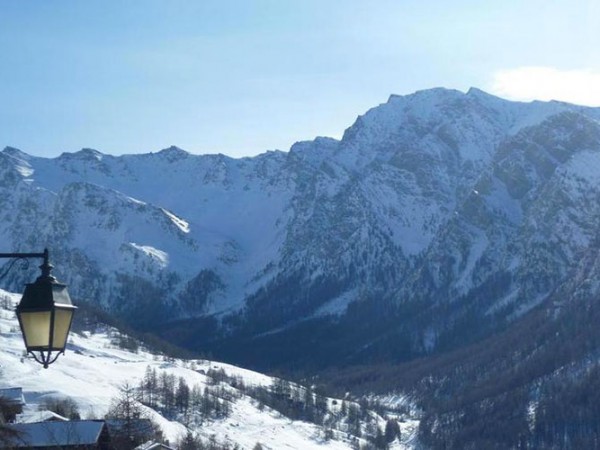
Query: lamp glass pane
[62,323]
[36,328]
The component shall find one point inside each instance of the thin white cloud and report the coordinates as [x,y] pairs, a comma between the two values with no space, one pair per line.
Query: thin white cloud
[548,83]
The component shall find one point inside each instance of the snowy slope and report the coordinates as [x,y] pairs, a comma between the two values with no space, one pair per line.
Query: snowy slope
[94,368]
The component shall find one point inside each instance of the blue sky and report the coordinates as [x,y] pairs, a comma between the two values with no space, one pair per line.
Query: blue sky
[241,77]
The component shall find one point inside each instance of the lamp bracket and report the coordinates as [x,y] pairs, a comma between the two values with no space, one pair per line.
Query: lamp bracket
[8,266]
[24,259]
[46,358]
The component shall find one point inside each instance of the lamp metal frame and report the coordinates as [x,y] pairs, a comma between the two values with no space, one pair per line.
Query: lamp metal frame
[46,356]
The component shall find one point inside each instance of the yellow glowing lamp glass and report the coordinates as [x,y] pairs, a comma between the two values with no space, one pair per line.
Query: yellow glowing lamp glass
[45,315]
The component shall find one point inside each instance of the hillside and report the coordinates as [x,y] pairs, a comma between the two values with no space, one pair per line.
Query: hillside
[98,364]
[532,385]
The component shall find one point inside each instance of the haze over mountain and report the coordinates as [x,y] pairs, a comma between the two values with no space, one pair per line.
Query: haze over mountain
[438,218]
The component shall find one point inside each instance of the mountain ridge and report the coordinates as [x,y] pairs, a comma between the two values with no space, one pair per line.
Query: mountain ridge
[428,201]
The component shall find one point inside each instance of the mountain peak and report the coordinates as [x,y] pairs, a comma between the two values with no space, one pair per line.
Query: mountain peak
[85,154]
[443,93]
[476,92]
[15,153]
[432,93]
[173,153]
[173,149]
[319,142]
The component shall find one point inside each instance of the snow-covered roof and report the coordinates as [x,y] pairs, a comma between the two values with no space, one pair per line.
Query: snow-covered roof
[13,395]
[55,434]
[39,416]
[151,445]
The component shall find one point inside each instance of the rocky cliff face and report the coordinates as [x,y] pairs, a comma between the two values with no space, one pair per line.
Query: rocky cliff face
[439,214]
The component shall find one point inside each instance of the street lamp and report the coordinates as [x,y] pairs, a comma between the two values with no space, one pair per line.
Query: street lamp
[45,312]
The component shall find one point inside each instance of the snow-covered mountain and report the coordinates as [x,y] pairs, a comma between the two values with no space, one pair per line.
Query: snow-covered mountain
[95,368]
[436,213]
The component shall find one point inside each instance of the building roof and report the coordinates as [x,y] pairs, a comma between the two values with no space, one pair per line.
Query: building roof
[13,395]
[39,416]
[151,445]
[56,434]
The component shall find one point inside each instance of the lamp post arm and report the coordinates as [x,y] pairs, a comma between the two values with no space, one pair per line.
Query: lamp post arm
[24,257]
